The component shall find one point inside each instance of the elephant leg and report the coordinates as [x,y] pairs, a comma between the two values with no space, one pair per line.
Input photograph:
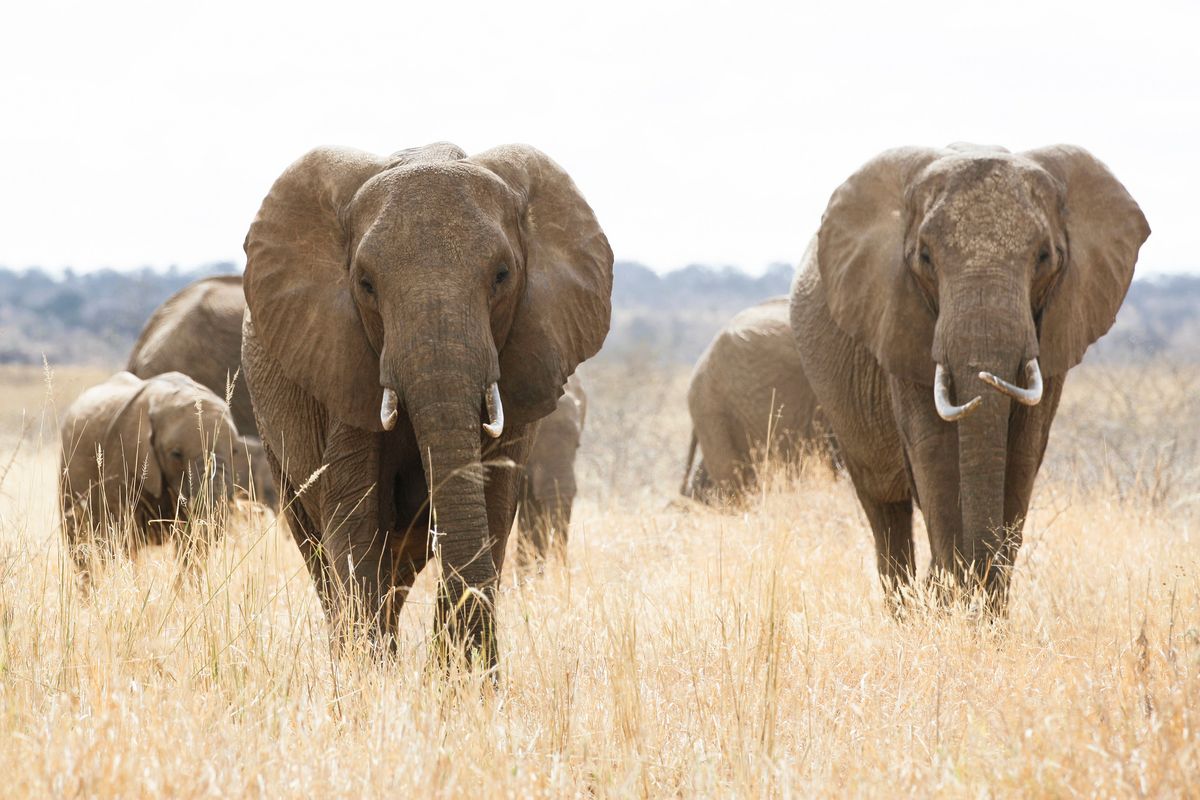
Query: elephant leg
[531,540]
[702,482]
[931,455]
[305,533]
[891,525]
[504,469]
[723,462]
[351,537]
[1028,433]
[76,526]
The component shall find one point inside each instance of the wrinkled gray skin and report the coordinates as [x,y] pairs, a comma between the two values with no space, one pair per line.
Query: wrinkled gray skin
[748,390]
[198,331]
[425,277]
[978,260]
[159,459]
[548,485]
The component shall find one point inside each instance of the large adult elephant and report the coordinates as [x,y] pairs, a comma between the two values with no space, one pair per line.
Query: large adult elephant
[139,456]
[748,394]
[411,317]
[937,312]
[198,331]
[548,486]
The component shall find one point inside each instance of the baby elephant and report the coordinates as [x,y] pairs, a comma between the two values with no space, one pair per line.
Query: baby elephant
[548,483]
[748,393]
[140,456]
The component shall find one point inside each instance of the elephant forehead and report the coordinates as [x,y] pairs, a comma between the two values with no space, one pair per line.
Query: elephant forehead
[431,190]
[991,212]
[432,207]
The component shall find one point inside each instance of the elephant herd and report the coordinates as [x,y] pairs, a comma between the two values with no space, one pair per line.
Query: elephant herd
[395,372]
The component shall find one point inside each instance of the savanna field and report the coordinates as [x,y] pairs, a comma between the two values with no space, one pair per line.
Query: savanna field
[682,651]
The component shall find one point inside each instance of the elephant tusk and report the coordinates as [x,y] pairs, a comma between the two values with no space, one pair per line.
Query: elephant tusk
[941,398]
[1033,376]
[387,411]
[495,410]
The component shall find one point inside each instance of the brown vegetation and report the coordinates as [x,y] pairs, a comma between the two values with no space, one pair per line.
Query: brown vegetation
[682,651]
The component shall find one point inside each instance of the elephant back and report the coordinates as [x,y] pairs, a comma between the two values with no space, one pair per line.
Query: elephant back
[198,331]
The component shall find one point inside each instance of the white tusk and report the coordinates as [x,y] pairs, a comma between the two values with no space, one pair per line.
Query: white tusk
[495,410]
[1033,376]
[941,399]
[387,411]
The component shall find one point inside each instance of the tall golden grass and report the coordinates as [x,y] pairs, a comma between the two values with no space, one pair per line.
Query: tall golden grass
[682,651]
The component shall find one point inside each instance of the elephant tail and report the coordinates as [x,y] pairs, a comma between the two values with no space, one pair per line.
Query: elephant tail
[687,468]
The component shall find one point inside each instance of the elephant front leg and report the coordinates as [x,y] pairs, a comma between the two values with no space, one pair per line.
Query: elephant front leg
[531,543]
[296,509]
[891,524]
[1028,433]
[931,452]
[352,540]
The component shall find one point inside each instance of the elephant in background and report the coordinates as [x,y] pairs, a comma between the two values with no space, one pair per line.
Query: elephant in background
[748,395]
[139,457]
[198,331]
[258,484]
[548,486]
[410,319]
[937,312]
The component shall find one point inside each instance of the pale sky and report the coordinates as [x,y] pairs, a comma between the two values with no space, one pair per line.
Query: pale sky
[147,133]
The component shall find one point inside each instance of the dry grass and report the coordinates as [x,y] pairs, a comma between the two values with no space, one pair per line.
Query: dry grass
[684,651]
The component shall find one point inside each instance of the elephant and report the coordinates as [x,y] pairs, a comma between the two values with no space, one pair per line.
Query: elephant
[548,488]
[938,309]
[748,392]
[140,456]
[198,331]
[258,484]
[410,318]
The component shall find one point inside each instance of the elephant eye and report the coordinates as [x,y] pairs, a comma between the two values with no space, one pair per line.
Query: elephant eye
[501,275]
[367,286]
[177,454]
[926,259]
[1043,256]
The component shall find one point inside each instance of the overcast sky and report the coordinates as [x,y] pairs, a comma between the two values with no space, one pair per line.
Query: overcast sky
[147,133]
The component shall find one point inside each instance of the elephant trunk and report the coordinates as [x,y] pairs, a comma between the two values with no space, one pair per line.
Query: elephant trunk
[982,465]
[209,478]
[986,339]
[445,407]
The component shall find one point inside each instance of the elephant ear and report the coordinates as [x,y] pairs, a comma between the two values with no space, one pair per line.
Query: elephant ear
[563,317]
[128,446]
[297,278]
[871,294]
[1105,229]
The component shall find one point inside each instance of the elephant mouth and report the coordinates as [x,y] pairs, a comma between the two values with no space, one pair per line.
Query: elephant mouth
[950,412]
[494,427]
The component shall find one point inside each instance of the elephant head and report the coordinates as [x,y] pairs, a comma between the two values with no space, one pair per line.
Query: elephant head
[976,272]
[436,285]
[176,440]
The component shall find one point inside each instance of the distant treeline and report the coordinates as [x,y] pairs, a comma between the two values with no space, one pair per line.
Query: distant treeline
[94,317]
[83,318]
